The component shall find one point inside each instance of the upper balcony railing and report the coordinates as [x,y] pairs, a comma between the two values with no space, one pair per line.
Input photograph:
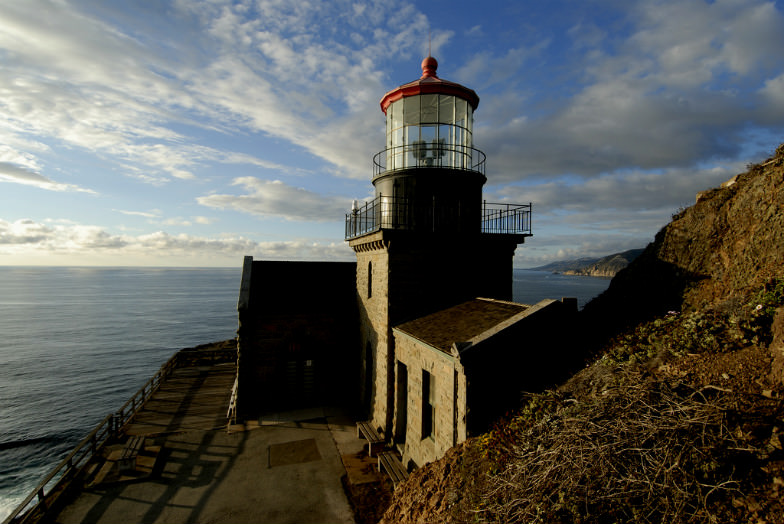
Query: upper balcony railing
[398,213]
[436,153]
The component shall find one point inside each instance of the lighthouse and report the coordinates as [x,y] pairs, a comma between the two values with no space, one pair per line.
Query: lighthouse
[427,240]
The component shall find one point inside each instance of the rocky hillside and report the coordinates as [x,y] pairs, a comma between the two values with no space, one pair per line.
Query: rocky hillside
[677,416]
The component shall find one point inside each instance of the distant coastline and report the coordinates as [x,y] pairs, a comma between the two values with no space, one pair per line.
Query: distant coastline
[606,267]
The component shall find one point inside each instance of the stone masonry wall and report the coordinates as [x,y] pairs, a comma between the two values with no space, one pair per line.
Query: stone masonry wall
[448,429]
[374,334]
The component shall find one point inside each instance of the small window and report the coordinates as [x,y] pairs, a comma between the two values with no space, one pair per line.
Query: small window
[428,404]
[370,280]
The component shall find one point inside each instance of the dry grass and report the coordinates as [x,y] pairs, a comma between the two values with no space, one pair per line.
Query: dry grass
[643,451]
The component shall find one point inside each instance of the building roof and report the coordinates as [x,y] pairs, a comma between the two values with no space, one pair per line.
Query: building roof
[460,323]
[430,83]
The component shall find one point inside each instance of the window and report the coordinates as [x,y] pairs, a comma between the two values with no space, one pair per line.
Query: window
[370,280]
[428,404]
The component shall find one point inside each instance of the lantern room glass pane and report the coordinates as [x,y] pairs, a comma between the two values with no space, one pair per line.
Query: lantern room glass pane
[460,109]
[446,109]
[429,108]
[395,114]
[390,127]
[411,110]
[397,137]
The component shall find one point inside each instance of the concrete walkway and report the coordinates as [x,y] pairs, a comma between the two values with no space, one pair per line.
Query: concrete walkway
[285,469]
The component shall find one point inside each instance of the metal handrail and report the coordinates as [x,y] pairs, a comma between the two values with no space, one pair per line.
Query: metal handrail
[108,429]
[500,218]
[423,154]
[69,467]
[397,212]
[231,413]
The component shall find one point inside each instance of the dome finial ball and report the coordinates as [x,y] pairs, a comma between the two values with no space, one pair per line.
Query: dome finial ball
[429,66]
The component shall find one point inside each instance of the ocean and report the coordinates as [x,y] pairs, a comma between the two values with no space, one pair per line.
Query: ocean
[529,286]
[76,343]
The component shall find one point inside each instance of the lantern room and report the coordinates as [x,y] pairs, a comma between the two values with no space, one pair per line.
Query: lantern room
[429,123]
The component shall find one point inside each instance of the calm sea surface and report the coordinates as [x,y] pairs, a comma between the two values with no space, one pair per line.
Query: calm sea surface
[76,343]
[530,286]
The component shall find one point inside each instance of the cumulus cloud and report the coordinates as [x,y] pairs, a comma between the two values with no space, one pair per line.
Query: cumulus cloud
[274,198]
[23,232]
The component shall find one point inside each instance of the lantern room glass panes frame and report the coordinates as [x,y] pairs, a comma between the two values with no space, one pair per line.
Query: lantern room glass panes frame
[430,130]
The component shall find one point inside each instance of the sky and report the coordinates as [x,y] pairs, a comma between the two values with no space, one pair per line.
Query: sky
[194,132]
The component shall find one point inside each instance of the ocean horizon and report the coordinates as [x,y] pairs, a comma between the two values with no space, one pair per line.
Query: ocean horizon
[77,342]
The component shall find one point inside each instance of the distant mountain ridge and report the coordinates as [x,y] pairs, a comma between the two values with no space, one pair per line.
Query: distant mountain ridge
[594,267]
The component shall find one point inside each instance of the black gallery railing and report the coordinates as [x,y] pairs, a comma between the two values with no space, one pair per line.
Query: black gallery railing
[399,213]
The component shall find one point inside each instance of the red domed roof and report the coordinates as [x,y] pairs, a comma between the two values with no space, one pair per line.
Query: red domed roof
[430,83]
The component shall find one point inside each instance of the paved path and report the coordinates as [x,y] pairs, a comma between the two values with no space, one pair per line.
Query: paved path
[287,469]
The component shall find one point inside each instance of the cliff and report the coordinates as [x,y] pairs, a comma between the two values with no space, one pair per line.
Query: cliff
[677,415]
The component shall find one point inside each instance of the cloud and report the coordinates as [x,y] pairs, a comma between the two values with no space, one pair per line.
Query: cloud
[691,42]
[23,232]
[128,91]
[26,239]
[632,191]
[155,217]
[22,175]
[680,84]
[276,199]
[145,214]
[91,85]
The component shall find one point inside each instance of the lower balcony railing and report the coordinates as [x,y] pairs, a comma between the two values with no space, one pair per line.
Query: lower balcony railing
[399,213]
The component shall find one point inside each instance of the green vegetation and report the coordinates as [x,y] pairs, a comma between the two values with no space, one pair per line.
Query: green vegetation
[731,325]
